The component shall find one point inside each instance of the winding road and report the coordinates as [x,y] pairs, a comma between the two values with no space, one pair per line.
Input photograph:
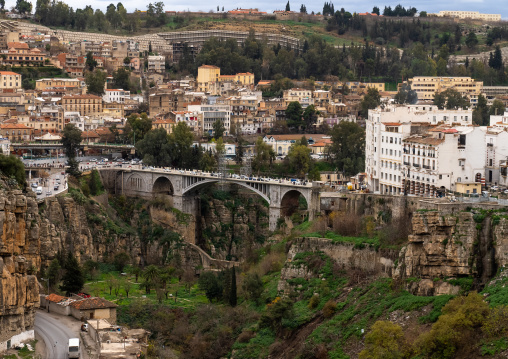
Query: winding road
[55,335]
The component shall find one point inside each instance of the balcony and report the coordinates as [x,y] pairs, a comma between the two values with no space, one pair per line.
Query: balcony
[417,165]
[407,164]
[426,167]
[490,145]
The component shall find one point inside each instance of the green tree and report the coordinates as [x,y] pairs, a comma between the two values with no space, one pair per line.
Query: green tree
[150,275]
[371,100]
[303,9]
[264,155]
[497,108]
[155,148]
[181,140]
[121,79]
[138,126]
[310,116]
[73,279]
[239,152]
[496,60]
[288,8]
[95,81]
[54,273]
[95,183]
[375,10]
[23,6]
[471,40]
[90,63]
[348,147]
[71,139]
[406,95]
[385,340]
[210,284]
[207,162]
[481,112]
[294,113]
[121,260]
[218,129]
[253,287]
[299,158]
[451,99]
[233,296]
[12,167]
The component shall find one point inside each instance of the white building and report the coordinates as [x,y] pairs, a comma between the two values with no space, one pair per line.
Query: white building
[210,114]
[387,128]
[156,63]
[5,146]
[192,119]
[116,95]
[230,148]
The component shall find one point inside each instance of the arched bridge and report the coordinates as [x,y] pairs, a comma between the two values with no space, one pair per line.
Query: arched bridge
[183,186]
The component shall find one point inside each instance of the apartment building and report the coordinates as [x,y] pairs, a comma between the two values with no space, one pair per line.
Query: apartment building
[116,95]
[10,80]
[388,128]
[60,85]
[212,113]
[167,125]
[84,104]
[192,119]
[321,98]
[475,15]
[303,96]
[427,86]
[361,88]
[19,54]
[207,75]
[156,63]
[16,132]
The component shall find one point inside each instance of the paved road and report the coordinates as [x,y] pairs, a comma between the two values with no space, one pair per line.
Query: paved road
[55,334]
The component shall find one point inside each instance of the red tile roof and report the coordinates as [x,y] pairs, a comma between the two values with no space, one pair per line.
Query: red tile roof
[93,303]
[55,298]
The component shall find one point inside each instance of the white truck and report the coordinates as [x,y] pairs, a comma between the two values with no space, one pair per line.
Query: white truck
[38,190]
[74,348]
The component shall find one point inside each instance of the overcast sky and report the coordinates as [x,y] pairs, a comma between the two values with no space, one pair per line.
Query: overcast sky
[485,6]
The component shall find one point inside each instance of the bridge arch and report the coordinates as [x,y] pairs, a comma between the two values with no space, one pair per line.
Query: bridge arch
[290,202]
[162,185]
[211,181]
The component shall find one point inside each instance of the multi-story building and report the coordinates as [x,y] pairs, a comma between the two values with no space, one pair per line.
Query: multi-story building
[84,104]
[116,95]
[475,15]
[192,119]
[427,86]
[16,132]
[299,95]
[212,113]
[167,125]
[10,80]
[244,78]
[361,88]
[156,63]
[60,85]
[388,128]
[207,75]
[19,54]
[321,98]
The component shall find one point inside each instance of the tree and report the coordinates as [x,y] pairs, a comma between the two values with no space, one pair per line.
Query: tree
[95,183]
[12,167]
[22,6]
[110,282]
[348,147]
[406,95]
[54,273]
[253,287]
[239,152]
[150,275]
[95,82]
[303,9]
[288,8]
[127,286]
[264,155]
[218,129]
[121,79]
[121,260]
[181,141]
[299,158]
[73,279]
[471,40]
[375,10]
[137,272]
[138,126]
[451,99]
[127,60]
[294,114]
[233,299]
[385,340]
[497,108]
[71,139]
[209,283]
[481,112]
[90,63]
[310,116]
[371,100]
[496,60]
[188,279]
[207,162]
[155,148]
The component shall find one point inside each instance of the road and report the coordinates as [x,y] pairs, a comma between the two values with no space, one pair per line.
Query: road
[55,334]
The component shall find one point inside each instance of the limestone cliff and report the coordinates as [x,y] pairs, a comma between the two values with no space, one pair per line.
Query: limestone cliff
[19,260]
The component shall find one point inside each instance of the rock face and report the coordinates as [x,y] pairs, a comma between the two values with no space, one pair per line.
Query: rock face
[451,246]
[19,259]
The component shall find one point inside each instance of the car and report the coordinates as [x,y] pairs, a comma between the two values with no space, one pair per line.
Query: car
[93,160]
[34,185]
[56,187]
[48,193]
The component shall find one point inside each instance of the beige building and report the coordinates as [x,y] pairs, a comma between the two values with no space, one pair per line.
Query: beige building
[167,125]
[16,132]
[59,84]
[19,54]
[427,86]
[156,63]
[299,95]
[475,15]
[207,75]
[10,80]
[244,78]
[84,104]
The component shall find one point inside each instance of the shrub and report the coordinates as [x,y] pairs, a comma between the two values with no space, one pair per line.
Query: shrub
[347,225]
[329,309]
[245,336]
[385,340]
[313,301]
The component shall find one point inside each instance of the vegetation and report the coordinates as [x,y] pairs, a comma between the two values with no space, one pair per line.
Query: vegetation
[12,167]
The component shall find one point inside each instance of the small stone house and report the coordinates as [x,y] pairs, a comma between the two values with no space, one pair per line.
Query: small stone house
[94,308]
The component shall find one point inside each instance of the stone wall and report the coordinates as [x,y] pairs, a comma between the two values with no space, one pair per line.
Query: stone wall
[19,254]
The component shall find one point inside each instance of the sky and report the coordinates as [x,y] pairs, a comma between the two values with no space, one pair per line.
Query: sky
[431,6]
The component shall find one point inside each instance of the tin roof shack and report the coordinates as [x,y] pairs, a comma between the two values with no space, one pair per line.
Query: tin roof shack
[94,308]
[116,341]
[56,303]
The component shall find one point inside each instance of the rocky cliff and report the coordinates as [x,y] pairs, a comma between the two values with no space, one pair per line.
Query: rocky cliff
[19,260]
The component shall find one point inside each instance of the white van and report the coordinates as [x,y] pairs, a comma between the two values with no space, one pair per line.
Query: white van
[74,348]
[38,190]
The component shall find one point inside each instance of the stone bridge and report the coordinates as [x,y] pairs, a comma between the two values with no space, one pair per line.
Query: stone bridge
[183,187]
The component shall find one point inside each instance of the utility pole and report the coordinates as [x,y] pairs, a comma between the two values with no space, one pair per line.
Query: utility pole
[222,168]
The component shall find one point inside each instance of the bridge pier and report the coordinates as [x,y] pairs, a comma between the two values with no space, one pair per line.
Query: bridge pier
[186,204]
[274,215]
